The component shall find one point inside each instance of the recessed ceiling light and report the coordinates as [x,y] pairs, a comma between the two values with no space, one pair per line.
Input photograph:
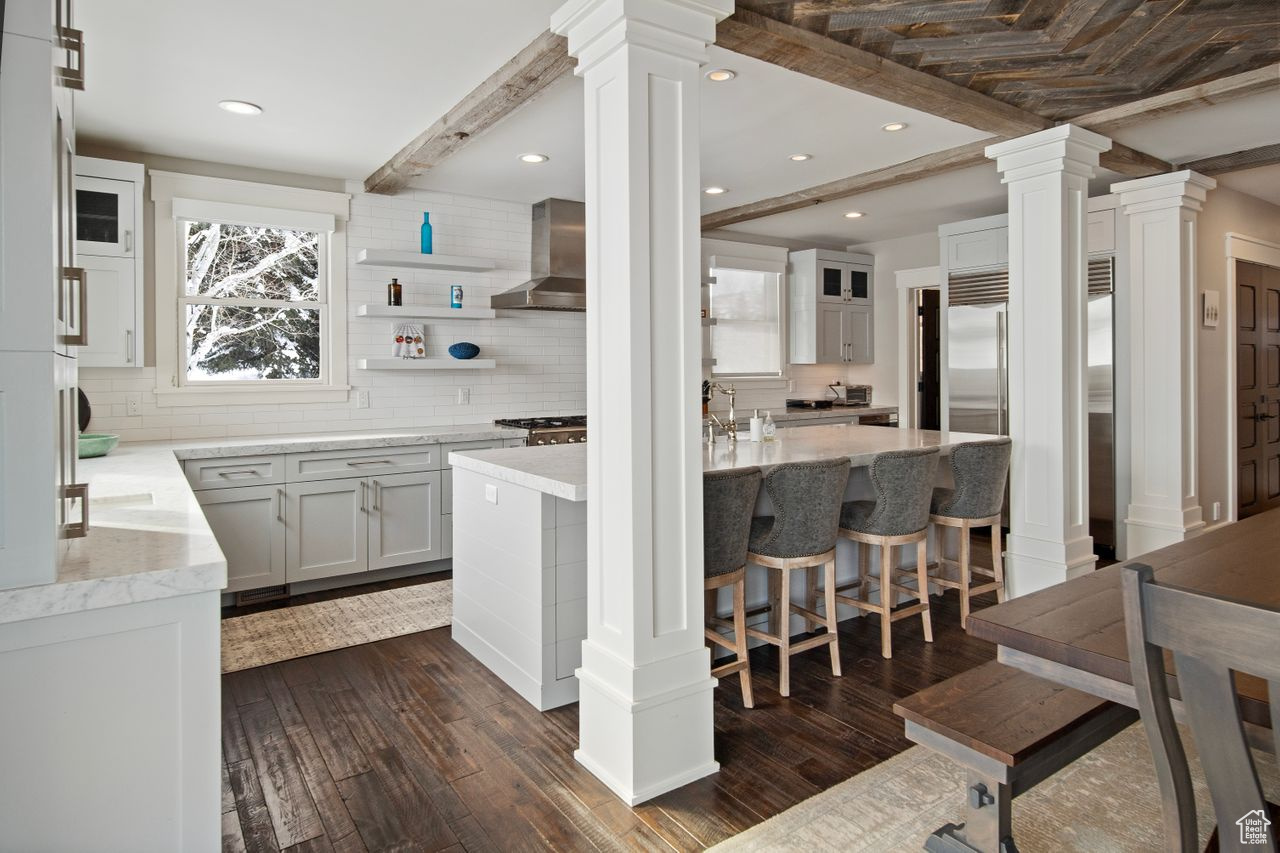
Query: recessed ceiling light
[715,190]
[854,214]
[800,158]
[895,126]
[534,158]
[721,75]
[241,108]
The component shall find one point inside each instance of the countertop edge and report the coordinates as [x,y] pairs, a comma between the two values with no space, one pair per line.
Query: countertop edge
[538,482]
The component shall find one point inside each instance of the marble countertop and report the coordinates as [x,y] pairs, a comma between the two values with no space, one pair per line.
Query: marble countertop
[562,470]
[148,538]
[792,415]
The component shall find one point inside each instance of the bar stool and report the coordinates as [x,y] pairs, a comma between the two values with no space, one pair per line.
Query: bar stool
[903,482]
[728,500]
[801,534]
[980,469]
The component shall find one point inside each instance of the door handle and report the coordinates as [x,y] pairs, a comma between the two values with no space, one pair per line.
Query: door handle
[364,489]
[280,506]
[377,496]
[128,241]
[1263,417]
[128,346]
[78,275]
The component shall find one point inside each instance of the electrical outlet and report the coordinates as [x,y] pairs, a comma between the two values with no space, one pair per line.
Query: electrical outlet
[464,396]
[1217,510]
[362,399]
[133,404]
[491,493]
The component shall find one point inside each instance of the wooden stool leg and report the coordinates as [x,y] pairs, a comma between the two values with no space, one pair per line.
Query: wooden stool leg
[740,638]
[922,592]
[964,576]
[784,633]
[833,626]
[886,601]
[997,561]
[810,595]
[864,570]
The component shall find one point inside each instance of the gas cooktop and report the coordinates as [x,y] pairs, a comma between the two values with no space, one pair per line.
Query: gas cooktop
[560,422]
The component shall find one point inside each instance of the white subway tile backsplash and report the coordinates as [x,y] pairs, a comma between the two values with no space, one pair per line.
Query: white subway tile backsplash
[541,368]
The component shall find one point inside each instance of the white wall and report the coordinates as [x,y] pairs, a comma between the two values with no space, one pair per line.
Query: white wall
[541,355]
[1225,210]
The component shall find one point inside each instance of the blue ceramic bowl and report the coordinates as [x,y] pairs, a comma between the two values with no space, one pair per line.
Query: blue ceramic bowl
[464,350]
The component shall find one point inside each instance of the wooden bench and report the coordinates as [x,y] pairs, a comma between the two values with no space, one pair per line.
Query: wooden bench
[1011,730]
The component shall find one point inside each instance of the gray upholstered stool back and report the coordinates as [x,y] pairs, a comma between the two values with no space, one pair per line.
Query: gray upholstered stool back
[980,469]
[903,480]
[728,499]
[806,500]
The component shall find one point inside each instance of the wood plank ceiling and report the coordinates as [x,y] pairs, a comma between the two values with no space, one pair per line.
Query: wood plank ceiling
[1056,58]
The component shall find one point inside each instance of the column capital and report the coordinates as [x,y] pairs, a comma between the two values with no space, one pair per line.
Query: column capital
[595,28]
[1065,148]
[1157,192]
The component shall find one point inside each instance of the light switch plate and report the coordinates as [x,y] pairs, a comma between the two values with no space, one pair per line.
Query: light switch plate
[491,493]
[464,396]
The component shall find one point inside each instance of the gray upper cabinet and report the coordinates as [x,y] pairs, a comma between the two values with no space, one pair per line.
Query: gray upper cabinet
[832,307]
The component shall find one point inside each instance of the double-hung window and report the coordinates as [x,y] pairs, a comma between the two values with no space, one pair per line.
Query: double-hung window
[747,339]
[256,298]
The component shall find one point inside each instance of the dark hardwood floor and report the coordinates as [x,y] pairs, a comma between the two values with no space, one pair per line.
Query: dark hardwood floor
[410,744]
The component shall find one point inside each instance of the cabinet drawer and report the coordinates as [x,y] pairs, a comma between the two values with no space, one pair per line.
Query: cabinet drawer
[446,449]
[329,465]
[227,471]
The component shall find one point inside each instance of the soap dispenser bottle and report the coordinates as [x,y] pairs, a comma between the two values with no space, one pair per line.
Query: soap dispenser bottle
[769,430]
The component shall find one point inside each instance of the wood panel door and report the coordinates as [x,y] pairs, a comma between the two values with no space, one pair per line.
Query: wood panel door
[1258,392]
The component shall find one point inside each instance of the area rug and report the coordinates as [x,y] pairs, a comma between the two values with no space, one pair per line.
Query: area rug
[1106,802]
[293,632]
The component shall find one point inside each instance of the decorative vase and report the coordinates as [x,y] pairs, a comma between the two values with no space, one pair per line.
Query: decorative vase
[426,233]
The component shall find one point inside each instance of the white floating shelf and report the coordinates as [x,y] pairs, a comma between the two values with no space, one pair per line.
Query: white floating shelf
[419,261]
[426,364]
[425,312]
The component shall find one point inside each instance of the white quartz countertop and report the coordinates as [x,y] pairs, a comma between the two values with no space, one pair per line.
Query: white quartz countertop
[148,538]
[562,470]
[784,416]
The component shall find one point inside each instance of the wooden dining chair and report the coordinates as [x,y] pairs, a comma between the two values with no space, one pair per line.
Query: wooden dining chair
[728,499]
[1211,638]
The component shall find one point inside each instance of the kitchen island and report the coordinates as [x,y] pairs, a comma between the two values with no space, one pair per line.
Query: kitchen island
[520,543]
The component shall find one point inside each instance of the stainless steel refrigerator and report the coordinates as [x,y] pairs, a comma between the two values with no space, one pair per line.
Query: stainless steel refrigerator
[978,375]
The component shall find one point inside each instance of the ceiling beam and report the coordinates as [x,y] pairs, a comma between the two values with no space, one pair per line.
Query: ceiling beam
[1267,155]
[1219,91]
[826,59]
[528,74]
[927,166]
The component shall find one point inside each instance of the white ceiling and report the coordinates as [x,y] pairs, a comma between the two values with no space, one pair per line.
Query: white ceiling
[347,85]
[344,85]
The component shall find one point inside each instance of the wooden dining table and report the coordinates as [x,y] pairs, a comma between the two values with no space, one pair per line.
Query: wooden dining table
[1074,634]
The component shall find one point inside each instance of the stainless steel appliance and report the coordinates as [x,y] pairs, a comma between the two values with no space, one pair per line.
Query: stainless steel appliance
[558,261]
[567,429]
[978,375]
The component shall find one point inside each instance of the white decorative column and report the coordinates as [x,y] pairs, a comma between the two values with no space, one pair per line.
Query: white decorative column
[1162,212]
[645,682]
[1048,178]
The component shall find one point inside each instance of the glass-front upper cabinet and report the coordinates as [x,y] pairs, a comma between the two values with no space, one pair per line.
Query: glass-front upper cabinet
[831,282]
[104,217]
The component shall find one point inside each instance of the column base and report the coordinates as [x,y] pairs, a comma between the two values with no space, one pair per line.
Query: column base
[1152,528]
[1031,564]
[643,747]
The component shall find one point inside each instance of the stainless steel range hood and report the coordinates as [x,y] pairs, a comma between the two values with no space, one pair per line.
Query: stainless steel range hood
[558,261]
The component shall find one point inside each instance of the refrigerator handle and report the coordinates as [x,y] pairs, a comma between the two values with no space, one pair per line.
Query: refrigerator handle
[1002,404]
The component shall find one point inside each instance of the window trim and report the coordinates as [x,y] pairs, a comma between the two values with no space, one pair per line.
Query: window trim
[178,198]
[766,266]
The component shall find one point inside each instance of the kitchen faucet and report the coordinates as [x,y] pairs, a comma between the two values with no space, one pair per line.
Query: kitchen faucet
[729,427]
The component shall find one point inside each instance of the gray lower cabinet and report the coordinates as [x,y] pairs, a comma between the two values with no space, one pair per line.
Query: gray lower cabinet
[248,524]
[328,524]
[404,520]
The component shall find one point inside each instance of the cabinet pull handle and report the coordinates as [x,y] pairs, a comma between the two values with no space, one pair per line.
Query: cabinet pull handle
[78,275]
[377,496]
[251,471]
[128,241]
[364,488]
[71,77]
[78,530]
[128,346]
[280,506]
[357,463]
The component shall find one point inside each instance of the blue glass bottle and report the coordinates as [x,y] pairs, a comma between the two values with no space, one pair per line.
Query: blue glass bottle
[426,233]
